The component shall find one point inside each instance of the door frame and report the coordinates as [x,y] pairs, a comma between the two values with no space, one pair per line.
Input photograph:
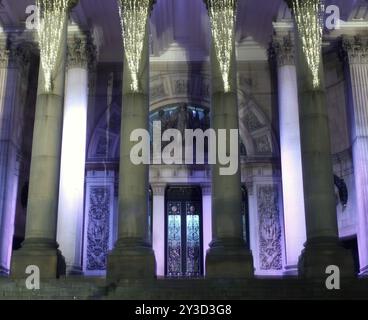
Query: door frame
[198,190]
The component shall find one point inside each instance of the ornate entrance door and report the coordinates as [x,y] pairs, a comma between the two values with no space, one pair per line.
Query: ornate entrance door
[184,232]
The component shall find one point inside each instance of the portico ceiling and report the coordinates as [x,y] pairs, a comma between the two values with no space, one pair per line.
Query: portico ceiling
[180,22]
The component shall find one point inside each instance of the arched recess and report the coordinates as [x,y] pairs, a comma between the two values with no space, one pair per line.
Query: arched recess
[170,89]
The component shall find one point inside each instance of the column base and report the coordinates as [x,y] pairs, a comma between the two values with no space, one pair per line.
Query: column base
[363,272]
[74,270]
[229,259]
[291,270]
[42,253]
[320,253]
[130,260]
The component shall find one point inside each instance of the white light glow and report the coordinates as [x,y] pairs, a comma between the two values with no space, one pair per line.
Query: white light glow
[134,16]
[53,17]
[308,17]
[222,17]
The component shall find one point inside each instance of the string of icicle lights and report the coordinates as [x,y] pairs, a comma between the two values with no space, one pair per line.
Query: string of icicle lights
[309,20]
[222,17]
[133,16]
[52,20]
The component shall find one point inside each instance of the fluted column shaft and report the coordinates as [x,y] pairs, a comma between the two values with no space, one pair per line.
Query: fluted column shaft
[291,163]
[356,51]
[73,155]
[14,68]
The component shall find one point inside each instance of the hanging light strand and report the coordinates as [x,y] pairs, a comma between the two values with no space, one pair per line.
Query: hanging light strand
[309,19]
[52,20]
[133,16]
[222,16]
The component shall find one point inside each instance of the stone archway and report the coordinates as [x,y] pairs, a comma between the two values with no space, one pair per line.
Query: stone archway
[255,128]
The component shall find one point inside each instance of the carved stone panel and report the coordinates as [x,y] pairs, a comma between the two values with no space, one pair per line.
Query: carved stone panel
[270,231]
[98,228]
[98,221]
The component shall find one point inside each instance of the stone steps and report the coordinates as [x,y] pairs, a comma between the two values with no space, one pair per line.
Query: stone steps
[76,288]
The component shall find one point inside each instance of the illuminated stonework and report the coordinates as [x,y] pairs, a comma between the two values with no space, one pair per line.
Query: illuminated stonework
[53,17]
[134,15]
[222,16]
[308,17]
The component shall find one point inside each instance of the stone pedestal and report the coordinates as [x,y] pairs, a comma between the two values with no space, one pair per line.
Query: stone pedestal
[131,261]
[38,252]
[319,253]
[229,259]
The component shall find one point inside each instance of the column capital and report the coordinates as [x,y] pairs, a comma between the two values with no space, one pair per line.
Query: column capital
[4,54]
[80,52]
[355,49]
[206,189]
[158,189]
[15,54]
[283,49]
[249,185]
[21,56]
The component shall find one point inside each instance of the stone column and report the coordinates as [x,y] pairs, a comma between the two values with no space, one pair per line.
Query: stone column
[133,256]
[14,68]
[158,220]
[322,247]
[228,256]
[356,53]
[291,163]
[40,247]
[73,154]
